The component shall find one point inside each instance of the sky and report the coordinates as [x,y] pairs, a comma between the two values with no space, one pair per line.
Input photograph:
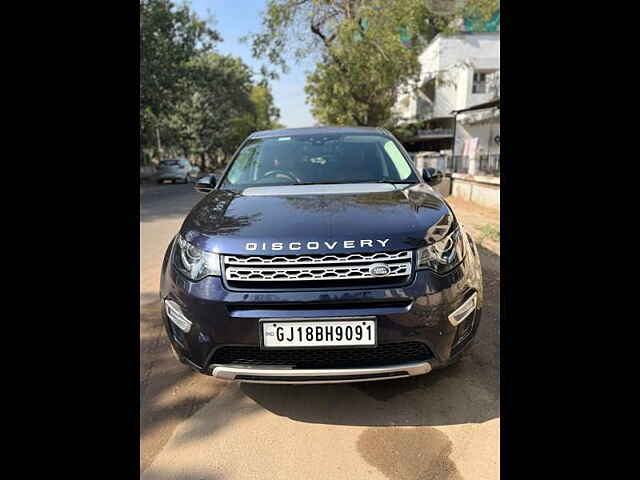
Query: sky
[236,18]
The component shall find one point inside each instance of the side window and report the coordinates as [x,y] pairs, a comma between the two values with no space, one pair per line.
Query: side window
[479,82]
[399,162]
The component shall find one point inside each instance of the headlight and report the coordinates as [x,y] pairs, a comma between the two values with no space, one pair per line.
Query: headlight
[443,255]
[194,262]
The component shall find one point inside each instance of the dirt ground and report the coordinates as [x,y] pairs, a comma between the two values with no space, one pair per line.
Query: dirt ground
[481,222]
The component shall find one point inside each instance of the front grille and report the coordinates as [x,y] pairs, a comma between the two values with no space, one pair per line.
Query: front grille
[298,271]
[317,259]
[312,273]
[382,355]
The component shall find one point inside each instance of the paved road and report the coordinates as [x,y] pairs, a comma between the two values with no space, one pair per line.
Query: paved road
[162,210]
[443,425]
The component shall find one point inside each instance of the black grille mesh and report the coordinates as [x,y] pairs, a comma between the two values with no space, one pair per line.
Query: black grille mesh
[387,354]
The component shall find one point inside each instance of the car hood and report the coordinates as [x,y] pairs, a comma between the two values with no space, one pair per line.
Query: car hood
[318,219]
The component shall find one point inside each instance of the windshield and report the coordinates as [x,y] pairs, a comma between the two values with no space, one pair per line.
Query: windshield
[319,159]
[169,163]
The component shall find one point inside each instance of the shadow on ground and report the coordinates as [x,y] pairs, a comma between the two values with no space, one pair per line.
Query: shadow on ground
[169,391]
[468,392]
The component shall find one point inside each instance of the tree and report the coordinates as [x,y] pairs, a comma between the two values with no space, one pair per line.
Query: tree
[170,36]
[266,114]
[263,115]
[194,100]
[216,90]
[365,50]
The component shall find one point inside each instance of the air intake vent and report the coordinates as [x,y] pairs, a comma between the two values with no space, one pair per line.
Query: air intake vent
[382,355]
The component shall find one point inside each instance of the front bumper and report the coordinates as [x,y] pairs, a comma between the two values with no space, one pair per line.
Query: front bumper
[416,313]
[325,375]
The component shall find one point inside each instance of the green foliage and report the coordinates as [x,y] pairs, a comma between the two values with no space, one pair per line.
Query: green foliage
[216,89]
[170,36]
[365,50]
[221,107]
[403,132]
[490,231]
[262,115]
[266,114]
[365,64]
[193,100]
[481,10]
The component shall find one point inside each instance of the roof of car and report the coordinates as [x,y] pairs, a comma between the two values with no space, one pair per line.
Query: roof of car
[290,132]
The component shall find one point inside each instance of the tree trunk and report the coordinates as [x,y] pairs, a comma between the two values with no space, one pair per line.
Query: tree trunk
[203,156]
[159,144]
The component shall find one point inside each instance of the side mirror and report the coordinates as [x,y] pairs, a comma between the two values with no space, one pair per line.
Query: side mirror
[206,184]
[432,176]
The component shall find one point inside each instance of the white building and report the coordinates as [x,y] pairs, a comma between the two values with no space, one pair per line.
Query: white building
[458,72]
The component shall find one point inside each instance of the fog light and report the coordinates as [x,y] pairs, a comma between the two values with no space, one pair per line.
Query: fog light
[174,312]
[463,311]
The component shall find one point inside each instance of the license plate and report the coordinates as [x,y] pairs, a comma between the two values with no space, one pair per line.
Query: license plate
[318,333]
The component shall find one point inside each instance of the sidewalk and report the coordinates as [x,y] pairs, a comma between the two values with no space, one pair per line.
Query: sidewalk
[482,223]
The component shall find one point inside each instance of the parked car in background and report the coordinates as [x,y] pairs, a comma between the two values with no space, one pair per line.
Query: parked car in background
[177,170]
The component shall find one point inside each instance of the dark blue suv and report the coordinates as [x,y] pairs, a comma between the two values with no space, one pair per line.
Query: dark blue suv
[320,256]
